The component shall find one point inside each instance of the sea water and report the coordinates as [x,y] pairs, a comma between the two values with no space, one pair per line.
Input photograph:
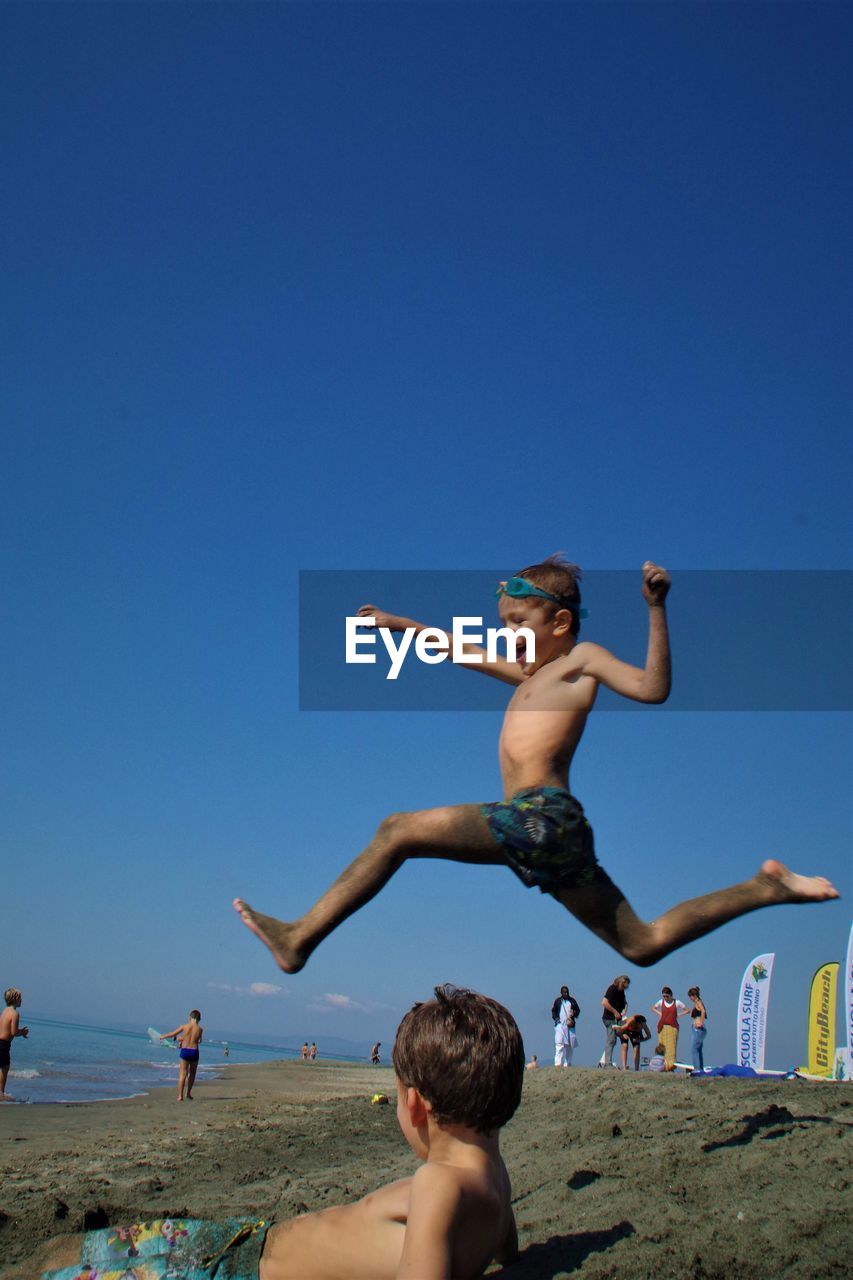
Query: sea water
[71,1062]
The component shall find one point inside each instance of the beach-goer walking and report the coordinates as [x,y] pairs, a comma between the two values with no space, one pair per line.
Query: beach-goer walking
[539,829]
[375,1057]
[304,1052]
[669,1010]
[10,1027]
[565,1012]
[634,1031]
[454,1217]
[312,1052]
[699,1015]
[189,1036]
[614,1002]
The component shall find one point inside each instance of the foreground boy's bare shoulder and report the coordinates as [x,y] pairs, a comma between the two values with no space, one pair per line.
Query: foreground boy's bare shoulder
[459,1220]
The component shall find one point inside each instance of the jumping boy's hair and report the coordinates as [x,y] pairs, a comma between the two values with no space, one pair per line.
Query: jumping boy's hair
[561,578]
[12,995]
[464,1054]
[194,1013]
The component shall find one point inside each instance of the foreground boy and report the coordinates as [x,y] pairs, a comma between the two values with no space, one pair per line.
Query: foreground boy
[539,830]
[459,1061]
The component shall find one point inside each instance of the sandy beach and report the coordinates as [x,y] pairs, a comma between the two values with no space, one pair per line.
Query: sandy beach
[613,1176]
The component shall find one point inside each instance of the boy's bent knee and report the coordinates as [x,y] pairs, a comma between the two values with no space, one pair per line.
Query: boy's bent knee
[643,952]
[393,827]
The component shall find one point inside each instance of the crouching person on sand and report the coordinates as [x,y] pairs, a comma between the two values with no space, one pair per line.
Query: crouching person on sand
[451,1219]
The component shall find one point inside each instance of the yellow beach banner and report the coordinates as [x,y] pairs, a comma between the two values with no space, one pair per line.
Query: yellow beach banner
[822,1020]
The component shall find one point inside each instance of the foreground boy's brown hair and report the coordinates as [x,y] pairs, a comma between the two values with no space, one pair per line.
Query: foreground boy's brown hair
[560,577]
[464,1054]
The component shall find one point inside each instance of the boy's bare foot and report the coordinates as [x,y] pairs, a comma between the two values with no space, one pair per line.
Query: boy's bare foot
[275,934]
[787,886]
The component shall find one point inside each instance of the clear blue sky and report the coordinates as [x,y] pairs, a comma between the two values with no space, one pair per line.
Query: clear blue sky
[401,286]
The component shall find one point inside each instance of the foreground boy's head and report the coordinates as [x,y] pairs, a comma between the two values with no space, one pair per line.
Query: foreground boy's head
[559,580]
[464,1055]
[12,996]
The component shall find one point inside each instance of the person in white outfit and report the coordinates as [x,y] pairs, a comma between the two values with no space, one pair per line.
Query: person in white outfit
[564,1011]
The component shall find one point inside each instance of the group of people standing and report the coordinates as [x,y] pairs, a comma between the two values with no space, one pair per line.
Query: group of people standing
[631,1031]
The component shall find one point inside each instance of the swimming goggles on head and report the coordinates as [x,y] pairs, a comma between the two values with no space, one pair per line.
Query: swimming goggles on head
[518,588]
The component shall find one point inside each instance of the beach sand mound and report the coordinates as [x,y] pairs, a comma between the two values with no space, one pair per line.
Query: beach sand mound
[613,1175]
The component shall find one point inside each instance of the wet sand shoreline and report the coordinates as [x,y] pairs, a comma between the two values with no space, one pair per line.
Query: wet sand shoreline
[613,1176]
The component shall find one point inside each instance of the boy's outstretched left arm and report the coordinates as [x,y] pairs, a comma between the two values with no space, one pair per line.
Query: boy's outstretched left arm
[651,683]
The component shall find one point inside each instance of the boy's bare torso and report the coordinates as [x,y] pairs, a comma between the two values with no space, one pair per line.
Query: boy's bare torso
[372,1232]
[543,724]
[190,1036]
[8,1024]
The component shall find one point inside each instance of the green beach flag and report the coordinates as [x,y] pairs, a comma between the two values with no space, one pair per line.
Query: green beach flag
[822,1020]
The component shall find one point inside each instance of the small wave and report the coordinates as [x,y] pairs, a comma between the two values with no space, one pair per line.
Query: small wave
[24,1075]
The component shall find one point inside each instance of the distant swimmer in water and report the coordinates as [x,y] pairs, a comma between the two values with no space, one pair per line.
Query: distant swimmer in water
[539,829]
[189,1037]
[10,1027]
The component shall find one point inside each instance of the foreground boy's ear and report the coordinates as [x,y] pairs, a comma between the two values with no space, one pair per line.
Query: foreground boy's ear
[418,1108]
[562,622]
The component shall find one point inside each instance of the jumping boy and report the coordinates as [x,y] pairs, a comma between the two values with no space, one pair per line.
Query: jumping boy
[189,1035]
[451,1219]
[539,829]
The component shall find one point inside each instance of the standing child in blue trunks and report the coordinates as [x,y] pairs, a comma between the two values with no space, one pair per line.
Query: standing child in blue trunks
[539,829]
[189,1037]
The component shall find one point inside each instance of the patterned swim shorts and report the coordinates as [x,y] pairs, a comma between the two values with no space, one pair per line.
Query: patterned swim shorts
[171,1249]
[545,838]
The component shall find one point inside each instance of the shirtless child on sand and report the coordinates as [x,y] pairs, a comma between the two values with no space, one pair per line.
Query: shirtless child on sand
[451,1219]
[539,829]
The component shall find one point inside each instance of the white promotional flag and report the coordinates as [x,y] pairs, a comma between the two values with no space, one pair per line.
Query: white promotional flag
[752,1011]
[848,1008]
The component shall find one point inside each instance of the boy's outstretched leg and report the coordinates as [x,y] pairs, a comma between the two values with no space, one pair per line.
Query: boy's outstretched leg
[604,909]
[457,834]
